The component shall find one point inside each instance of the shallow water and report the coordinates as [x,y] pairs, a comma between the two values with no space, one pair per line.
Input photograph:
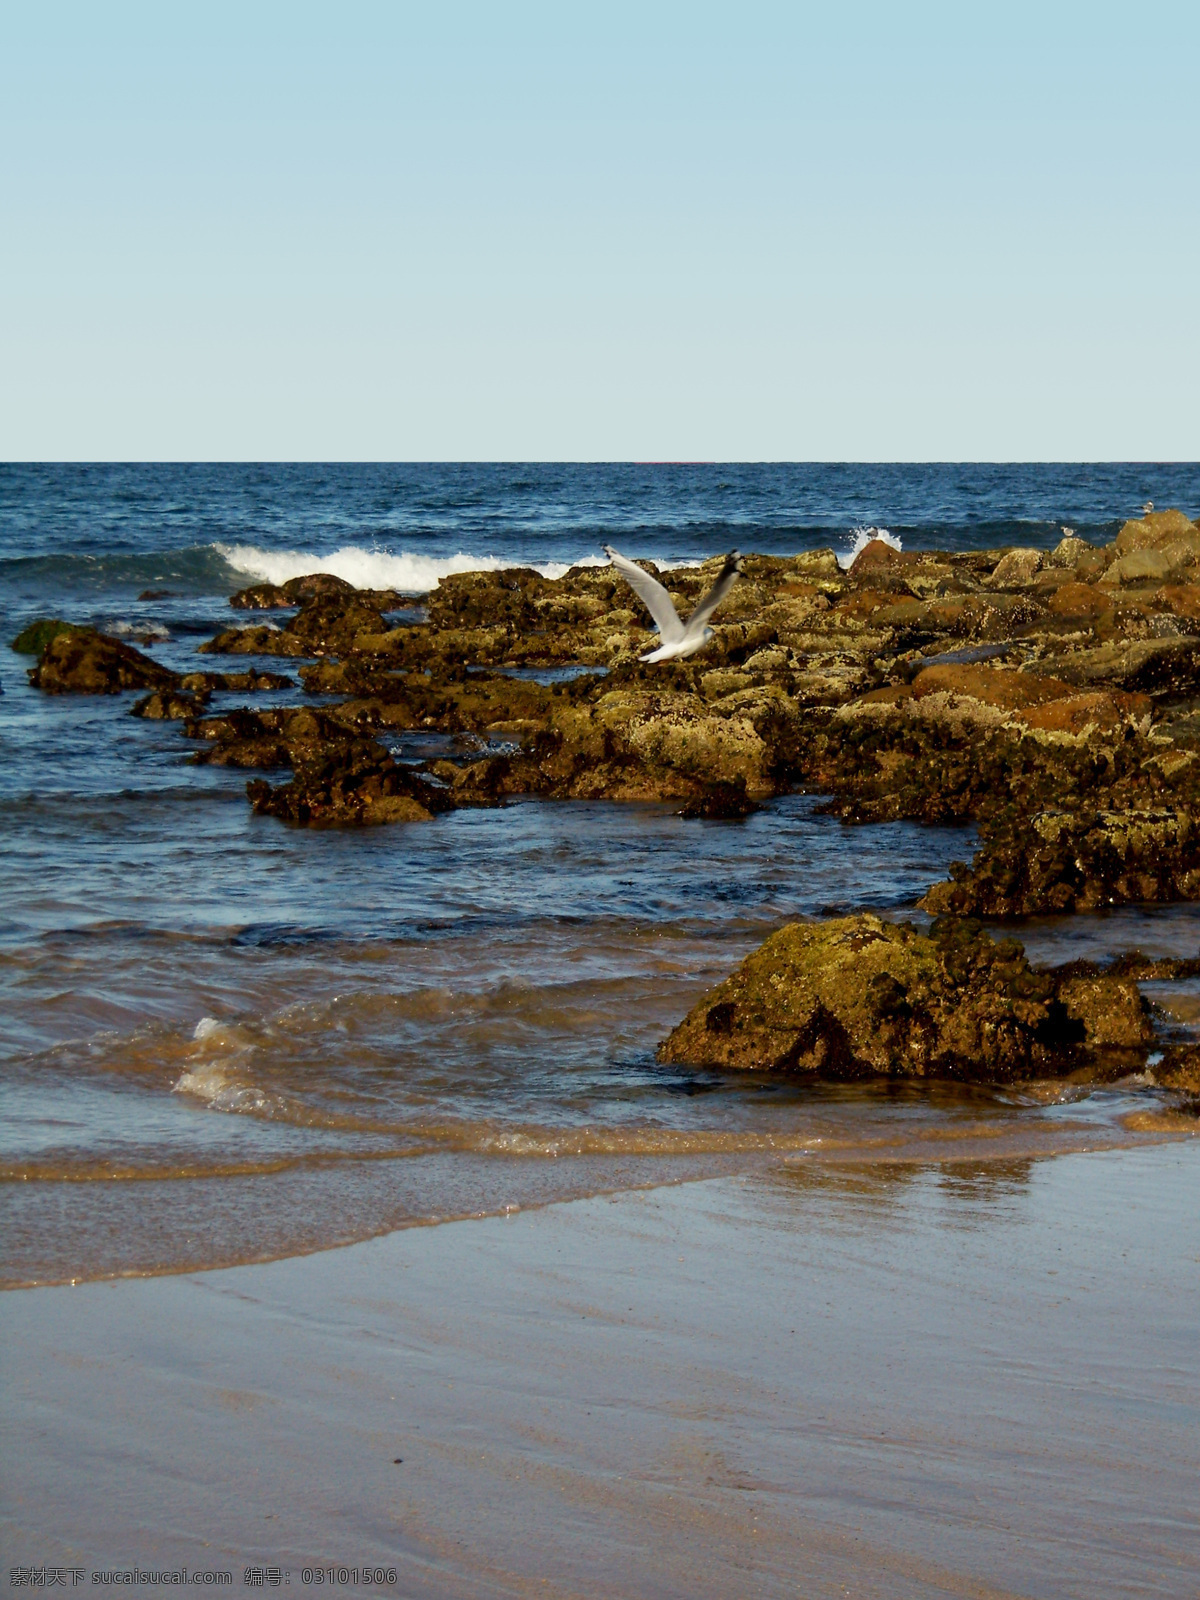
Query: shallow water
[224,1039]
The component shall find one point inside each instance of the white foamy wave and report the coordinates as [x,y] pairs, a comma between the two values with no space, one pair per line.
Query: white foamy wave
[860,539]
[406,572]
[219,1077]
[137,630]
[214,1084]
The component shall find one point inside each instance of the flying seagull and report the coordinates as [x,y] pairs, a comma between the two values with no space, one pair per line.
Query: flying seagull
[678,638]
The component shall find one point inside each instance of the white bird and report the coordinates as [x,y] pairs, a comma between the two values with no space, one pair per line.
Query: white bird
[678,638]
[1148,507]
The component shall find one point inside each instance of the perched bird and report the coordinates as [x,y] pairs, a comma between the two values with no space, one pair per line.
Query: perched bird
[678,638]
[1148,507]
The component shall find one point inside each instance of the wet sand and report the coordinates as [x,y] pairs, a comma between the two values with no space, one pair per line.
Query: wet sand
[976,1379]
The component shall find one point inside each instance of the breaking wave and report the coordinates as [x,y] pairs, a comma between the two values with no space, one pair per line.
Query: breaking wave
[376,569]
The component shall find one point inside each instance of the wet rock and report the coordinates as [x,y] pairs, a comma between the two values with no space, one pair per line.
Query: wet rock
[877,557]
[82,661]
[721,802]
[165,705]
[278,738]
[356,784]
[1179,1069]
[326,624]
[1057,861]
[275,596]
[856,997]
[253,680]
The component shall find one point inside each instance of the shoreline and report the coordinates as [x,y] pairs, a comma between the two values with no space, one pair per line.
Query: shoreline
[974,1382]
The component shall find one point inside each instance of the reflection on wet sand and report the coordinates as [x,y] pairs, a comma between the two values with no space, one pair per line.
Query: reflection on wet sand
[890,1380]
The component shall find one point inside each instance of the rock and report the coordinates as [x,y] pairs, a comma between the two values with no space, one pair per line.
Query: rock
[1155,529]
[1068,551]
[1079,602]
[1056,862]
[1016,569]
[1139,566]
[356,784]
[82,661]
[167,706]
[31,641]
[253,680]
[1180,1069]
[1183,600]
[326,624]
[1163,668]
[272,596]
[877,557]
[155,594]
[721,802]
[285,737]
[855,997]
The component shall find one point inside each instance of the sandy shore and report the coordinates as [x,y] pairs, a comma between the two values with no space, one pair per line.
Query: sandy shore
[976,1380]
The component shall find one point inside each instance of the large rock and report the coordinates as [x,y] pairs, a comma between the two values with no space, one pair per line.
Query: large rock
[1017,568]
[1139,566]
[82,661]
[1155,530]
[856,997]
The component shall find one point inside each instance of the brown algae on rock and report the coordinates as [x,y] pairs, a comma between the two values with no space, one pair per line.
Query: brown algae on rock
[857,996]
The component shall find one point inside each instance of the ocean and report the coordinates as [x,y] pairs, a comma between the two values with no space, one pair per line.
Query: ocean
[224,1040]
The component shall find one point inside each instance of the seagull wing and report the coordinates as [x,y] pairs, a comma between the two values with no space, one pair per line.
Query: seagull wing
[726,579]
[652,595]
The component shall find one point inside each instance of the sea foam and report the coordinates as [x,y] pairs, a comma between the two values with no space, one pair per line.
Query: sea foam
[406,572]
[860,539]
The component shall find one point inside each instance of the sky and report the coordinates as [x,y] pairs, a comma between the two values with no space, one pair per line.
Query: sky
[460,231]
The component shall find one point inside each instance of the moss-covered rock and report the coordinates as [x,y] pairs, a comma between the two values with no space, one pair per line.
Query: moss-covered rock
[856,996]
[1062,861]
[31,641]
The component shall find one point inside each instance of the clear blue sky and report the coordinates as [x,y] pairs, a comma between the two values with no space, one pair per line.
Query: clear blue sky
[457,230]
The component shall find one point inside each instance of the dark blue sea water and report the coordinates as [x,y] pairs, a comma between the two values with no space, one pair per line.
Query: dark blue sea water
[222,1038]
[106,530]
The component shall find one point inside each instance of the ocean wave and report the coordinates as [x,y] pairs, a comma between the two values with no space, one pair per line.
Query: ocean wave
[407,572]
[860,538]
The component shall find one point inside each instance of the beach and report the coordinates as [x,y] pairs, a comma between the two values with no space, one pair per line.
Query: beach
[361,1219]
[978,1379]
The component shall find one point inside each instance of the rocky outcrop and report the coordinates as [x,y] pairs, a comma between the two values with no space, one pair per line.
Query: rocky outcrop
[857,997]
[288,737]
[356,784]
[82,661]
[1060,861]
[275,596]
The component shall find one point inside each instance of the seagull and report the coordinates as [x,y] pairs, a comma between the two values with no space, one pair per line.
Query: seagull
[678,638]
[1148,507]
